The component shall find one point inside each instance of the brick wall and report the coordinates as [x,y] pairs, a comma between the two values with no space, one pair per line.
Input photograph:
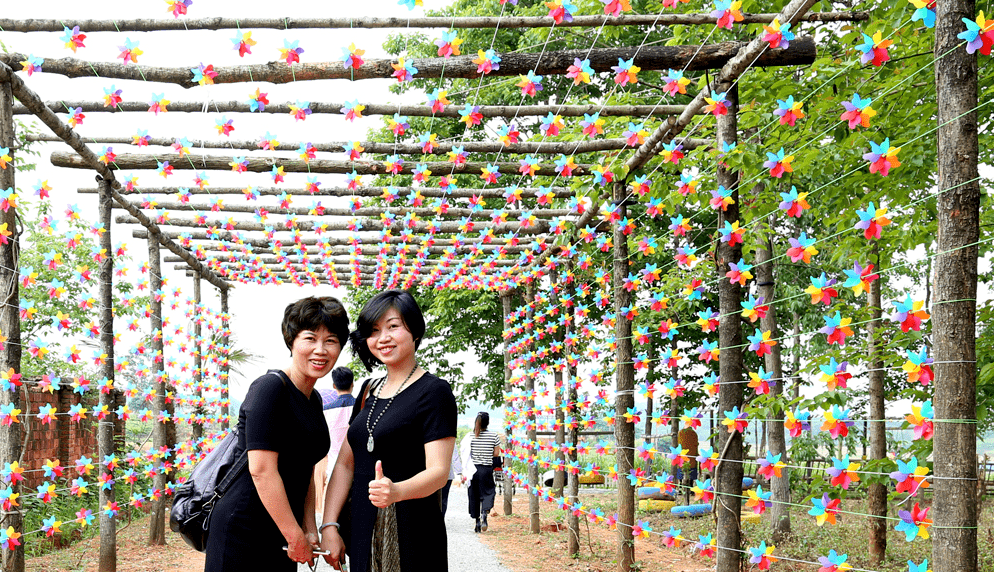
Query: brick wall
[62,439]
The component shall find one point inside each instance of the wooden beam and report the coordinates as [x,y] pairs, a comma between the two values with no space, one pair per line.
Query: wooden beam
[332,213]
[748,56]
[688,58]
[318,107]
[297,259]
[191,162]
[89,160]
[90,26]
[539,227]
[427,192]
[372,148]
[344,281]
[954,312]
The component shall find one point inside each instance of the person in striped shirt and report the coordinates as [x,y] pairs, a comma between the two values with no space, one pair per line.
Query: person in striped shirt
[484,446]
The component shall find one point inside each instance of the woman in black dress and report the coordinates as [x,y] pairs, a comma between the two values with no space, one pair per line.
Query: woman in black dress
[398,450]
[282,427]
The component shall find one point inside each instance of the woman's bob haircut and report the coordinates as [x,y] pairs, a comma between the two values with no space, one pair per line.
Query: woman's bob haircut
[374,310]
[310,314]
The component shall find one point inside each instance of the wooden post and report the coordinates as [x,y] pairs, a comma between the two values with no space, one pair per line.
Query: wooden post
[954,544]
[105,430]
[506,305]
[650,377]
[624,433]
[777,441]
[572,413]
[225,369]
[198,378]
[157,525]
[559,480]
[877,492]
[10,323]
[531,432]
[728,482]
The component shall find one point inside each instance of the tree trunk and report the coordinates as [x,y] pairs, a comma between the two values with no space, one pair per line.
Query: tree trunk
[795,386]
[105,431]
[954,544]
[199,411]
[877,429]
[559,478]
[10,323]
[506,309]
[728,485]
[573,481]
[157,522]
[624,433]
[773,429]
[650,377]
[533,475]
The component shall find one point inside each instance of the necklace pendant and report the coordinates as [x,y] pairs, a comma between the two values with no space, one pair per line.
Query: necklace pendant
[369,444]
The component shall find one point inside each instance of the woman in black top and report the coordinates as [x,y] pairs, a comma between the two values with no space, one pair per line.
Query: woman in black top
[282,427]
[398,450]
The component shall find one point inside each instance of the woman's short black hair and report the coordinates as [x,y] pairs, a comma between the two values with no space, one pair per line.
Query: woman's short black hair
[311,313]
[343,378]
[371,313]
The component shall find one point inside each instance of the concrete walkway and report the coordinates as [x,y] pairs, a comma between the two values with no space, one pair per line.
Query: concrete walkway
[466,552]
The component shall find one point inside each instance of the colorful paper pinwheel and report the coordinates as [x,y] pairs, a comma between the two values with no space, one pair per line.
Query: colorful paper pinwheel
[717,104]
[204,75]
[675,83]
[882,157]
[561,10]
[73,39]
[797,422]
[837,329]
[802,248]
[759,500]
[874,49]
[687,184]
[243,42]
[979,35]
[626,72]
[635,134]
[919,367]
[727,12]
[762,556]
[531,84]
[437,100]
[778,163]
[788,110]
[834,562]
[290,52]
[921,418]
[129,52]
[721,198]
[739,272]
[762,343]
[703,490]
[924,11]
[616,7]
[859,278]
[914,523]
[735,420]
[843,472]
[580,71]
[857,111]
[486,61]
[825,509]
[871,221]
[771,466]
[834,374]
[910,314]
[778,36]
[837,422]
[403,70]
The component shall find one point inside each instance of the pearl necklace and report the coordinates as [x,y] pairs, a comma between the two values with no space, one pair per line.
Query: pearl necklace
[376,397]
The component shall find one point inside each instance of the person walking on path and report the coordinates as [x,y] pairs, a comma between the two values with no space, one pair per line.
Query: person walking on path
[483,447]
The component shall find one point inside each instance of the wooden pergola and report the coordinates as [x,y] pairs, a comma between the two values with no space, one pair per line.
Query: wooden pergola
[503,246]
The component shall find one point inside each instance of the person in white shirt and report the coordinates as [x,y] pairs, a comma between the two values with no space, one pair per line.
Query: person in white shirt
[482,446]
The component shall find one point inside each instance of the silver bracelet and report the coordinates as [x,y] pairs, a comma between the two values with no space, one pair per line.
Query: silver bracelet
[327,524]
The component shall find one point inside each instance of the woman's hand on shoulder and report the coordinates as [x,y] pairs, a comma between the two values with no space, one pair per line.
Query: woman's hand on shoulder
[382,491]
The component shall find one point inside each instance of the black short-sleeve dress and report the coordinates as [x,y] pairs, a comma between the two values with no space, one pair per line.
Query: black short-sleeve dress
[424,412]
[275,416]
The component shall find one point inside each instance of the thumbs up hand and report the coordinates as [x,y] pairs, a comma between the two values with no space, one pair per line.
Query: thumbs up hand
[382,492]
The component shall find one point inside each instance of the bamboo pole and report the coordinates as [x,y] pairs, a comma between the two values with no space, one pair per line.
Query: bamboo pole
[688,58]
[89,160]
[624,433]
[427,192]
[135,162]
[441,22]
[335,108]
[749,56]
[954,312]
[446,227]
[157,513]
[105,429]
[11,448]
[728,475]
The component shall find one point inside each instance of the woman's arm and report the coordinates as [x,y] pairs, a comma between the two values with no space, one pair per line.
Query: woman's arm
[334,498]
[268,483]
[310,508]
[438,455]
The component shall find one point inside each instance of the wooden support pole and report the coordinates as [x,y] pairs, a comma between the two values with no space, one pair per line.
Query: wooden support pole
[876,494]
[198,363]
[559,391]
[88,157]
[10,323]
[157,523]
[105,429]
[688,58]
[793,12]
[427,192]
[534,517]
[225,368]
[441,22]
[624,433]
[506,305]
[317,107]
[954,312]
[191,162]
[728,479]
[572,414]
